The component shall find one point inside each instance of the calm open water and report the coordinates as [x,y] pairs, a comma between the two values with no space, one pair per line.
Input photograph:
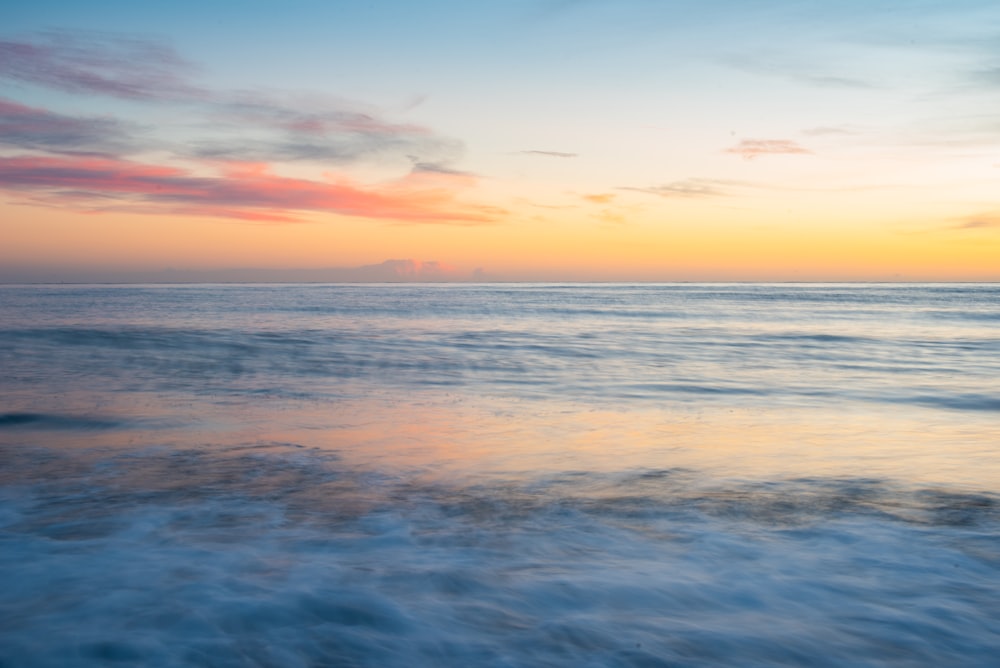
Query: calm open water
[500,475]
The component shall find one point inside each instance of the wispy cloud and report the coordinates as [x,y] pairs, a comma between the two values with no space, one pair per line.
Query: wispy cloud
[314,130]
[97,63]
[685,188]
[242,191]
[37,129]
[981,222]
[222,143]
[831,81]
[246,125]
[420,166]
[829,130]
[551,154]
[778,65]
[749,149]
[986,77]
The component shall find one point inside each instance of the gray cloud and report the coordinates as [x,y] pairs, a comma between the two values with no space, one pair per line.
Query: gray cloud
[828,130]
[420,166]
[245,125]
[41,130]
[551,154]
[979,223]
[337,148]
[316,130]
[831,81]
[98,63]
[685,188]
[989,76]
[784,68]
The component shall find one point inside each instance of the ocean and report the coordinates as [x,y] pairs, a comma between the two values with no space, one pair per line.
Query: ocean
[500,475]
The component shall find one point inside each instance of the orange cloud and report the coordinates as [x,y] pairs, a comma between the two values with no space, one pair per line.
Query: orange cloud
[247,191]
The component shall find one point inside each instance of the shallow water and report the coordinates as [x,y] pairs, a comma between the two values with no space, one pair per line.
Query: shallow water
[521,475]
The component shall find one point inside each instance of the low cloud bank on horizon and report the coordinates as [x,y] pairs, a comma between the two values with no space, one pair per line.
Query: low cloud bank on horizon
[389,271]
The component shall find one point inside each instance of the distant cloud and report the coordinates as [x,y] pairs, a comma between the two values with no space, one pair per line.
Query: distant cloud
[982,222]
[829,130]
[37,129]
[245,125]
[989,75]
[551,154]
[389,271]
[435,168]
[313,130]
[796,71]
[405,270]
[834,82]
[98,63]
[749,149]
[686,188]
[599,198]
[242,191]
[100,163]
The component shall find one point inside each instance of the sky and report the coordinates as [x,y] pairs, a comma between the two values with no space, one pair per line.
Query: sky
[525,140]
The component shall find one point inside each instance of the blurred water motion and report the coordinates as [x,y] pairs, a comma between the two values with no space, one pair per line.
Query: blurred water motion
[500,475]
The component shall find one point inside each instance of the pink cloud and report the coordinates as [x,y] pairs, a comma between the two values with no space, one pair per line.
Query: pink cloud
[753,148]
[415,270]
[246,191]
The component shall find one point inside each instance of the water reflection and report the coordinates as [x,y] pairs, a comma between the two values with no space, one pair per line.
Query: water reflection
[499,475]
[447,436]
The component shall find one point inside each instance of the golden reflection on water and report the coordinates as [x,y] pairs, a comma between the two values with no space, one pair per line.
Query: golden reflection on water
[521,439]
[448,436]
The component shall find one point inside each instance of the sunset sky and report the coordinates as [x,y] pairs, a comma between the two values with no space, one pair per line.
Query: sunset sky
[521,140]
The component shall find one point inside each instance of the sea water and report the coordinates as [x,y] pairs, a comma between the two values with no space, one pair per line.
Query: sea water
[500,475]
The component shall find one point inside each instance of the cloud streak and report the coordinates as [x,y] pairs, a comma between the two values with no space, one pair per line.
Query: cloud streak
[305,128]
[750,149]
[30,128]
[315,130]
[830,130]
[798,72]
[984,222]
[685,188]
[96,63]
[222,143]
[242,191]
[551,154]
